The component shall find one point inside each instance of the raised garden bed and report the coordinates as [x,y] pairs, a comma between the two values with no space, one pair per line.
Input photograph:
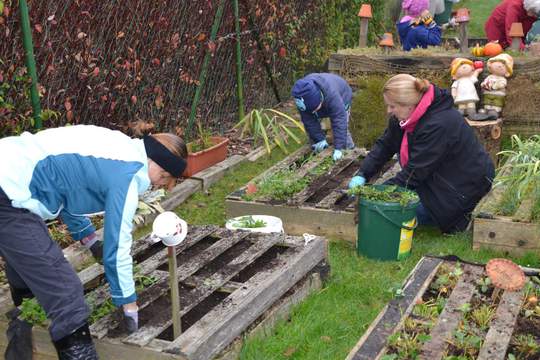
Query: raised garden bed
[307,193]
[228,280]
[508,218]
[448,310]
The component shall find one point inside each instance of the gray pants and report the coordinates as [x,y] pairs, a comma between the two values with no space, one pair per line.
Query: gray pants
[36,265]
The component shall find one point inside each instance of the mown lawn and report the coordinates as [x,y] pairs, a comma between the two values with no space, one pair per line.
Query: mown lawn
[480,12]
[330,322]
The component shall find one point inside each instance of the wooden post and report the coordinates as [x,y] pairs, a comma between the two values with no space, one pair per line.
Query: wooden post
[489,135]
[175,292]
[364,14]
[463,18]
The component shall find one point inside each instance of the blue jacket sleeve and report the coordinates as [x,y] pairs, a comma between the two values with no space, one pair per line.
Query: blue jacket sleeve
[79,226]
[120,207]
[312,126]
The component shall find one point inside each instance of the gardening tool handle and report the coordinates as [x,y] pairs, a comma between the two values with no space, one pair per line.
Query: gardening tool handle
[393,222]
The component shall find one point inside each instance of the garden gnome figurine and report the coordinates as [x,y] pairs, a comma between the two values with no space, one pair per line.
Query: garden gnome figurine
[464,92]
[494,86]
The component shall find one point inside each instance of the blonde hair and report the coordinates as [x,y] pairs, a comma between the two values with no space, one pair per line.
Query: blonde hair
[173,143]
[406,89]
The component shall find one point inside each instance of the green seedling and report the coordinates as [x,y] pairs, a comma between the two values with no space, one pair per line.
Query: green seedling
[484,284]
[483,315]
[427,310]
[467,342]
[389,194]
[465,308]
[526,345]
[396,291]
[32,312]
[279,186]
[249,222]
[98,312]
[407,345]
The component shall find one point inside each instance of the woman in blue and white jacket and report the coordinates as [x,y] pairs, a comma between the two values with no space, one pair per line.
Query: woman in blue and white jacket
[72,172]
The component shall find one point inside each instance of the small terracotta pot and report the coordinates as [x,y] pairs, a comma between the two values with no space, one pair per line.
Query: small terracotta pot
[201,160]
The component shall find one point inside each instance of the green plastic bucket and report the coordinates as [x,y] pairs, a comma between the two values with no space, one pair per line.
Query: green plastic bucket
[385,230]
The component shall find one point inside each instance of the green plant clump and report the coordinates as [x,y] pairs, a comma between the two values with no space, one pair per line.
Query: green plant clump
[279,186]
[32,312]
[249,222]
[388,194]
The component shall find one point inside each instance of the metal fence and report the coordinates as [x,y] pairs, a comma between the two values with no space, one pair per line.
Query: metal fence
[114,63]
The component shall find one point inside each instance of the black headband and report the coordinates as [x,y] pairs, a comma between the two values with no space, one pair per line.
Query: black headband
[156,151]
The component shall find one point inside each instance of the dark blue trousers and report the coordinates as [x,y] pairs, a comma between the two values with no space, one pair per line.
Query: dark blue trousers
[36,265]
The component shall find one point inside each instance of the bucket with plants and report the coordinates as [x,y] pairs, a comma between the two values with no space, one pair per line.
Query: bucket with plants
[386,221]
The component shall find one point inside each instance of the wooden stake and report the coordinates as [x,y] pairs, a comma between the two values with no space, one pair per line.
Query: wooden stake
[175,292]
[464,37]
[363,32]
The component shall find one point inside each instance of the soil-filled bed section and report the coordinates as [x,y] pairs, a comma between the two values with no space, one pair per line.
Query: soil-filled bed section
[478,313]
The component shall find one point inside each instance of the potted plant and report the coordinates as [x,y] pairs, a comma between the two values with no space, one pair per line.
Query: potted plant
[204,152]
[269,127]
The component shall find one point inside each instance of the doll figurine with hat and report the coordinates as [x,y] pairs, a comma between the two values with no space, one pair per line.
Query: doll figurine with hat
[464,92]
[494,86]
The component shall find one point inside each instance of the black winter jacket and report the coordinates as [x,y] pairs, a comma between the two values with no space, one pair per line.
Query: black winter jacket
[448,167]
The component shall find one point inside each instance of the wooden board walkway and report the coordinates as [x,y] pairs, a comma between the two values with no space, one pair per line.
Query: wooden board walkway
[228,280]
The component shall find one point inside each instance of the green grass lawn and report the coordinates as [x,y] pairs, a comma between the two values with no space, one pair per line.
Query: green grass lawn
[480,12]
[330,322]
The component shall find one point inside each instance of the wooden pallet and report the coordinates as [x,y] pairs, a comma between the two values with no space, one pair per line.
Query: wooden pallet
[227,281]
[512,234]
[374,343]
[322,207]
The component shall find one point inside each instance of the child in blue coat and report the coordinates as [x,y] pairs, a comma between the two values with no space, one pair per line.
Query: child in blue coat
[324,95]
[421,31]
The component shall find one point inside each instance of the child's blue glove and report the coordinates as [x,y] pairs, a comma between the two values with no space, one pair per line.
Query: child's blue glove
[320,146]
[338,154]
[357,181]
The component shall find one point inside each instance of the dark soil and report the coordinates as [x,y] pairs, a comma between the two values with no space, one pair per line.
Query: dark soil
[327,183]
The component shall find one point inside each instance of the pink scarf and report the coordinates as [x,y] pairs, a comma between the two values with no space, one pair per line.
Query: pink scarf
[409,124]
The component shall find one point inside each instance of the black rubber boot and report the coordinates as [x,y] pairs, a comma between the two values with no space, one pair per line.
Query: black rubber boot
[19,335]
[77,346]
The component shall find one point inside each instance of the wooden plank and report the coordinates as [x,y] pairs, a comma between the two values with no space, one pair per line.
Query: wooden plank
[228,287]
[450,316]
[504,234]
[181,193]
[389,174]
[220,326]
[488,206]
[280,311]
[372,344]
[330,200]
[298,220]
[502,327]
[523,212]
[213,174]
[338,168]
[160,323]
[102,326]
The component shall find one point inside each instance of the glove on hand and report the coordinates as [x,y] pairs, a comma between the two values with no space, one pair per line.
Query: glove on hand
[357,181]
[92,243]
[131,321]
[338,154]
[320,146]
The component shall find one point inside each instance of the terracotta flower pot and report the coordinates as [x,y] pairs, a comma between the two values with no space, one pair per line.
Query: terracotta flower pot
[203,159]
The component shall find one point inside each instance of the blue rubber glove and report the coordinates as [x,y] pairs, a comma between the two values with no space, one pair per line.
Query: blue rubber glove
[357,181]
[338,154]
[320,146]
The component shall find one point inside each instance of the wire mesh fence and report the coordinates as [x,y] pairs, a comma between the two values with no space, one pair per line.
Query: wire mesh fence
[122,63]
